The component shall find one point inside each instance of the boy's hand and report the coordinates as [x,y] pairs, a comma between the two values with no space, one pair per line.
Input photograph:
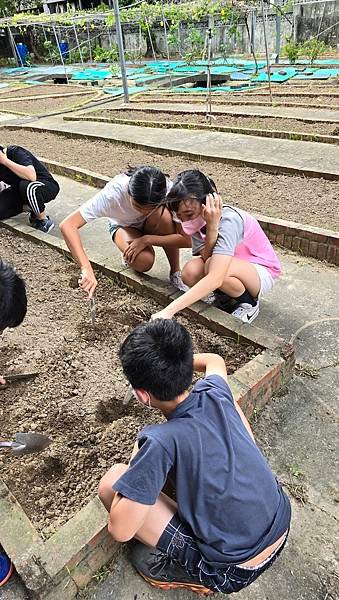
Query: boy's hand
[212,210]
[87,281]
[2,381]
[162,314]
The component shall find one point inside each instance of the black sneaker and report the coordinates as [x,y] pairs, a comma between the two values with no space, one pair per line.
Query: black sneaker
[160,571]
[44,225]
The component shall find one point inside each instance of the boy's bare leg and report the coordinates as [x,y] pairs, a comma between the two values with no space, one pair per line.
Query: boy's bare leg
[159,514]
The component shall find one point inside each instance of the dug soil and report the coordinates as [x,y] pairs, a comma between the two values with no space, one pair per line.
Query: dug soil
[76,399]
[266,123]
[46,105]
[305,200]
[41,89]
[240,98]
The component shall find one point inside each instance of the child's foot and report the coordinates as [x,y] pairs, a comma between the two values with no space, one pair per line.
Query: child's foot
[177,282]
[246,312]
[44,225]
[161,572]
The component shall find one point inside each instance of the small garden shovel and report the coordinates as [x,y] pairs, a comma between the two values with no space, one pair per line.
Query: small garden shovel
[27,443]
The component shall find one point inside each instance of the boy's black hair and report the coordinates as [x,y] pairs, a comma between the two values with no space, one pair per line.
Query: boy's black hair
[13,299]
[158,357]
[147,185]
[192,184]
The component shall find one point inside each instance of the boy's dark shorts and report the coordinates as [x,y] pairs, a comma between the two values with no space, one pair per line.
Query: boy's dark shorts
[177,541]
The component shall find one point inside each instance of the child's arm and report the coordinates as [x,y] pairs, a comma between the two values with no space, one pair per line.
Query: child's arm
[70,230]
[218,268]
[24,172]
[126,517]
[213,364]
[210,364]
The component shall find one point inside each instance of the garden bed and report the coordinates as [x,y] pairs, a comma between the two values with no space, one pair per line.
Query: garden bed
[42,89]
[241,98]
[290,197]
[251,122]
[77,397]
[46,105]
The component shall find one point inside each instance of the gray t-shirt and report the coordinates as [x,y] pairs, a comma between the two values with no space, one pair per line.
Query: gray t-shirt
[230,233]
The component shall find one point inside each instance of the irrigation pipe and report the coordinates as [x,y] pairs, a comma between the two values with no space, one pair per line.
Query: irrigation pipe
[166,40]
[60,53]
[209,78]
[77,42]
[266,50]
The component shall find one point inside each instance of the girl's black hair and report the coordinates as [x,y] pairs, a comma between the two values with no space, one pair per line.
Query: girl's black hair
[147,185]
[190,184]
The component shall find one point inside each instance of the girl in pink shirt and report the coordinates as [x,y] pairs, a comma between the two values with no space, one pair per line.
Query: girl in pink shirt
[234,257]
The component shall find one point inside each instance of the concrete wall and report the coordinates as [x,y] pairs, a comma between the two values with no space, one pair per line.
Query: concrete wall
[308,20]
[312,18]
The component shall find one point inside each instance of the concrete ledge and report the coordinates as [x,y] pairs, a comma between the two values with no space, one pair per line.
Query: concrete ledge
[270,133]
[315,242]
[57,568]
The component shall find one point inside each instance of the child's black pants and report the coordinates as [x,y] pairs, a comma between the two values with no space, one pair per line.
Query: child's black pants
[31,194]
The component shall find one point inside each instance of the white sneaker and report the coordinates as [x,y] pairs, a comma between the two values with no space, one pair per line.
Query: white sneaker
[209,299]
[123,261]
[246,312]
[177,282]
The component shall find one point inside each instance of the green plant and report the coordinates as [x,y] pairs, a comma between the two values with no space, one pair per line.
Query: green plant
[173,38]
[114,70]
[197,43]
[313,48]
[225,51]
[101,574]
[105,54]
[292,50]
[295,471]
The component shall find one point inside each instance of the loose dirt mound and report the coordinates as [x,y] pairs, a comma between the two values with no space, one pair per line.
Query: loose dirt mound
[77,397]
